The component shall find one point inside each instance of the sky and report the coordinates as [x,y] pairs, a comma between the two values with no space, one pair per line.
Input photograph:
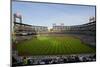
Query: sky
[44,14]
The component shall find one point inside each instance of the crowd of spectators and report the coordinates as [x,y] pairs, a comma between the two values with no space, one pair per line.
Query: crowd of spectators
[37,60]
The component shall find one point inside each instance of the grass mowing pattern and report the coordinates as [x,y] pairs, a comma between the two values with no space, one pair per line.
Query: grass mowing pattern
[48,45]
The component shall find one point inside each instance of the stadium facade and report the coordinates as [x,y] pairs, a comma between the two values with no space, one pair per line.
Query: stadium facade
[22,31]
[40,29]
[88,28]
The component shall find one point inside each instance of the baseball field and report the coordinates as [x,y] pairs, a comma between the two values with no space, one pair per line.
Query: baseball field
[53,45]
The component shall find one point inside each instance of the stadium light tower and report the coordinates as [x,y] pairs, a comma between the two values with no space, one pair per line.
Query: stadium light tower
[91,19]
[17,17]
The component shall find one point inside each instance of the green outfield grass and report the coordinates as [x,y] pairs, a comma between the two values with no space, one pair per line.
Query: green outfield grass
[49,45]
